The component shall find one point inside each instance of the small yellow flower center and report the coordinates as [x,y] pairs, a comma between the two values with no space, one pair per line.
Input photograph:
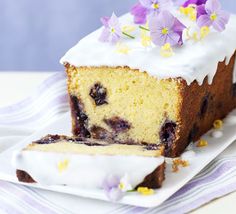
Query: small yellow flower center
[155,6]
[121,186]
[113,30]
[213,16]
[165,31]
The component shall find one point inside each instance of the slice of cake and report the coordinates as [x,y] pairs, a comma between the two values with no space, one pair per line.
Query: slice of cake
[73,161]
[135,92]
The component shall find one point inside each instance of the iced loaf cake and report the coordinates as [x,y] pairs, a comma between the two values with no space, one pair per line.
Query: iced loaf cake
[132,83]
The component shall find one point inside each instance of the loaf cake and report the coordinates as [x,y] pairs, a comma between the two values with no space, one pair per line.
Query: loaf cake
[73,161]
[135,83]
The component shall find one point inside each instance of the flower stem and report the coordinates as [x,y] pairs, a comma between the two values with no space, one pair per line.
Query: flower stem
[128,35]
[143,28]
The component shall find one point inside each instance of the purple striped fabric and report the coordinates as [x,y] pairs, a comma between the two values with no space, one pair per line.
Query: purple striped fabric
[216,180]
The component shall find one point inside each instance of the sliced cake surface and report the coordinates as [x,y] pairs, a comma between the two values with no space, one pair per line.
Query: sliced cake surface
[86,163]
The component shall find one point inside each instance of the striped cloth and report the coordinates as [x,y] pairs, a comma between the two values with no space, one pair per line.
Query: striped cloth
[46,104]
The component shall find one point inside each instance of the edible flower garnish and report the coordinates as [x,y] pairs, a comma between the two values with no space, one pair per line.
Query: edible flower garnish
[145,35]
[197,34]
[115,186]
[189,11]
[145,8]
[145,191]
[194,2]
[165,28]
[112,30]
[212,15]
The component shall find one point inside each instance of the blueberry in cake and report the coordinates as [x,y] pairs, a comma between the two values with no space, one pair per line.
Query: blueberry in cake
[57,159]
[159,78]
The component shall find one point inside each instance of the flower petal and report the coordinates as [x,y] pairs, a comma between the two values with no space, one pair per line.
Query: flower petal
[115,194]
[105,20]
[212,6]
[167,19]
[201,10]
[221,21]
[140,13]
[173,38]
[104,37]
[204,20]
[147,3]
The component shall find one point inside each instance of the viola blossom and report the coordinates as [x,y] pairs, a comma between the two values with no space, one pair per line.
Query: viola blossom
[165,28]
[112,29]
[212,15]
[145,8]
[115,187]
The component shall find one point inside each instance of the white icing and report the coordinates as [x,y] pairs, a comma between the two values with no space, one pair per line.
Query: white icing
[188,155]
[217,134]
[87,171]
[192,61]
[230,120]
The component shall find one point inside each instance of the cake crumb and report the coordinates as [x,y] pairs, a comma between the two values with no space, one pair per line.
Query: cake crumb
[202,143]
[179,162]
[218,124]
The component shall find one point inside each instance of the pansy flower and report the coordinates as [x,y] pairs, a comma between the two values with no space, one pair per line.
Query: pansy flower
[112,29]
[165,28]
[115,186]
[212,15]
[193,2]
[145,8]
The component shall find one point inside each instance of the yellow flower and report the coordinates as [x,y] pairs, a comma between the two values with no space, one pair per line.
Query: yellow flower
[217,124]
[62,165]
[166,50]
[202,143]
[145,191]
[122,48]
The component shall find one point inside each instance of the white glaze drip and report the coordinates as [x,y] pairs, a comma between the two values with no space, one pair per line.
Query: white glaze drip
[192,61]
[87,171]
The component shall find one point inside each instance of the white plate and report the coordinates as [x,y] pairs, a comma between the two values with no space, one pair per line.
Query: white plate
[173,182]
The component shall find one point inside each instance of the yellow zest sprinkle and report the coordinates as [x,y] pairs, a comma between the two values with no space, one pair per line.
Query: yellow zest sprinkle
[128,28]
[213,16]
[202,143]
[145,38]
[204,31]
[155,6]
[166,50]
[145,191]
[62,165]
[217,124]
[179,162]
[122,48]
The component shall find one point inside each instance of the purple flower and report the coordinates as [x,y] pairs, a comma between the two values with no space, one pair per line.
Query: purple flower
[145,8]
[196,2]
[111,187]
[213,16]
[165,28]
[112,30]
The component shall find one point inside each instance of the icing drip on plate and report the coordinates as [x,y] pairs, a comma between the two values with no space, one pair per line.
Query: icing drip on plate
[192,61]
[86,171]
